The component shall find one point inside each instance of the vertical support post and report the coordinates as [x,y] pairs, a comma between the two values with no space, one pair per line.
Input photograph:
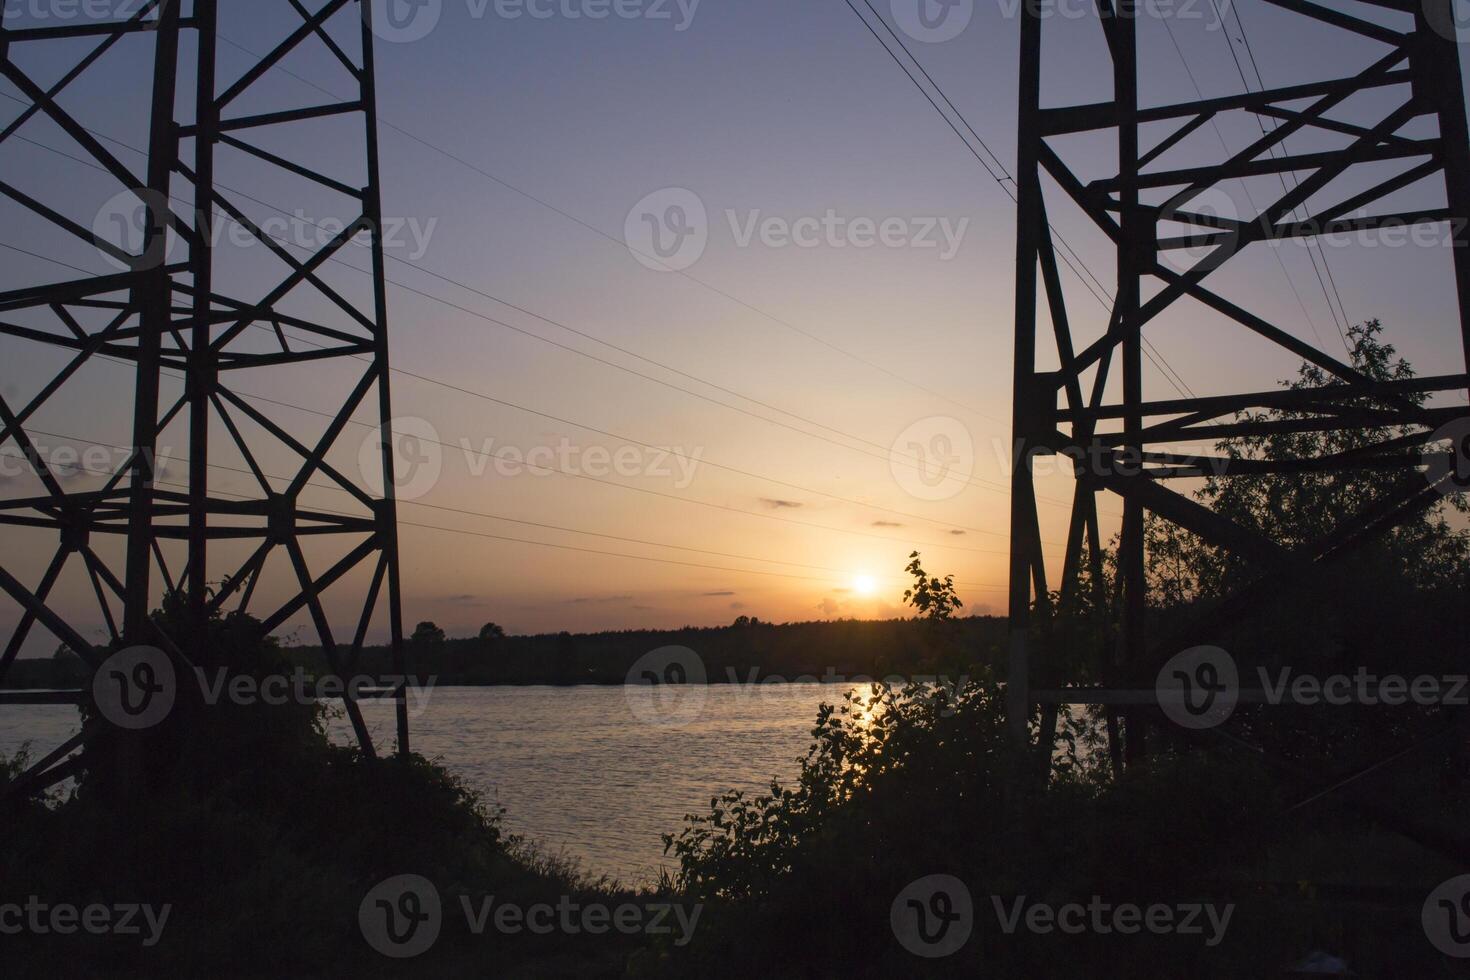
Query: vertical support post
[1131,556]
[201,373]
[388,518]
[1438,57]
[154,297]
[1028,233]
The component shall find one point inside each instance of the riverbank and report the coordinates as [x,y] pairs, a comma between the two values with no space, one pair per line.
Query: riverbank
[836,652]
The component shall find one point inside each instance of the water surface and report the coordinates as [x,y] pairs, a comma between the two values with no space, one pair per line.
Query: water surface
[595,772]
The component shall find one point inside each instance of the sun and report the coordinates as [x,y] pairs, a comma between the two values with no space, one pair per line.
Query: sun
[864,584]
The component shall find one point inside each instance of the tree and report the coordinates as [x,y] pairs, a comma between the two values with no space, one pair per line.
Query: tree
[69,664]
[491,632]
[426,636]
[1294,509]
[934,598]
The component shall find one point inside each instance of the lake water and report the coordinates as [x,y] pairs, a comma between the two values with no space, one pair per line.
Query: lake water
[595,772]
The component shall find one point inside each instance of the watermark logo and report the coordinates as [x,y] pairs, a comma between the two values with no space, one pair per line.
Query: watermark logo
[135,688]
[666,687]
[1199,688]
[69,462]
[933,916]
[945,690]
[571,918]
[1450,472]
[668,230]
[838,231]
[1210,13]
[401,917]
[933,458]
[25,13]
[932,21]
[418,458]
[679,12]
[1447,18]
[1209,220]
[135,224]
[278,690]
[402,21]
[1103,918]
[64,919]
[674,463]
[1446,917]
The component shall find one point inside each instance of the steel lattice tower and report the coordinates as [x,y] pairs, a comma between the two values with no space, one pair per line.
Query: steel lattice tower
[1092,406]
[186,313]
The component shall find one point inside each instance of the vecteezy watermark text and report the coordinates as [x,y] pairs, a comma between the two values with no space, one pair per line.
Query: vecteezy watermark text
[667,687]
[70,462]
[137,687]
[404,21]
[132,231]
[659,462]
[1101,917]
[402,917]
[1200,688]
[570,917]
[63,919]
[416,453]
[936,21]
[669,230]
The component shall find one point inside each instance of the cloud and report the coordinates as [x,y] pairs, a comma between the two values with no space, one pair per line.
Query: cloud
[777,504]
[887,524]
[717,593]
[737,605]
[958,534]
[829,606]
[584,600]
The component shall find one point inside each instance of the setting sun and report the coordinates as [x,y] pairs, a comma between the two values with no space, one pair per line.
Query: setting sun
[864,585]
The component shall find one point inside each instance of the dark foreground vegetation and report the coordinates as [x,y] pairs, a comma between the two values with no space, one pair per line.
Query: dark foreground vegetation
[263,839]
[1323,827]
[1308,830]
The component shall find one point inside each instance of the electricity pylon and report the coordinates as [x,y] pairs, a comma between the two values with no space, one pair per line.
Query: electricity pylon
[198,325]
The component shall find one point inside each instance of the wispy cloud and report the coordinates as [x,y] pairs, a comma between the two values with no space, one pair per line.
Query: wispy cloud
[887,524]
[776,503]
[717,593]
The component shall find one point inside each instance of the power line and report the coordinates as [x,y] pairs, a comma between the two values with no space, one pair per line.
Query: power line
[1295,181]
[1220,135]
[471,513]
[1150,350]
[526,541]
[623,244]
[1296,212]
[888,455]
[569,473]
